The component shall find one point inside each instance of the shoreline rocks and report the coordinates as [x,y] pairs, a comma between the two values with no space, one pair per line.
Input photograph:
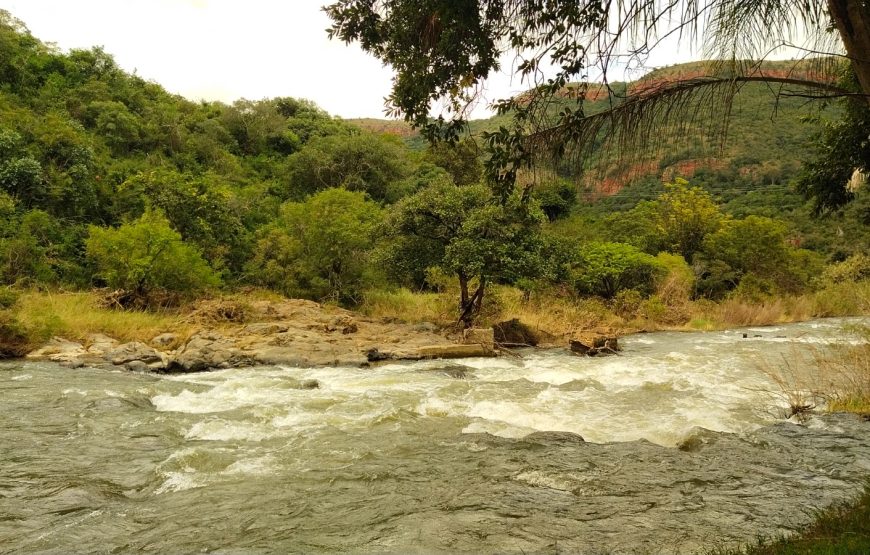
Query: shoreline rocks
[301,334]
[288,333]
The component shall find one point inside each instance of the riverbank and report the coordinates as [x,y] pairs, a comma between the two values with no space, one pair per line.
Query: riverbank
[558,315]
[228,332]
[392,320]
[839,530]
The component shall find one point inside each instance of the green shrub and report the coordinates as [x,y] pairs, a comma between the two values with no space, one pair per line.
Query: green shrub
[8,297]
[319,249]
[604,269]
[854,268]
[146,256]
[626,303]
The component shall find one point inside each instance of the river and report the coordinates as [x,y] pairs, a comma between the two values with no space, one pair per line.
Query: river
[685,448]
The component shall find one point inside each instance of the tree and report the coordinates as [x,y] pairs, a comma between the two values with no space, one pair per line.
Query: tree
[320,248]
[465,232]
[198,207]
[146,256]
[443,51]
[556,197]
[844,148]
[683,217]
[604,269]
[757,247]
[361,162]
[461,160]
[677,221]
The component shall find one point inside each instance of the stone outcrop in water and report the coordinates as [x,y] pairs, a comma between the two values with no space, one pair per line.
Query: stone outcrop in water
[60,350]
[595,345]
[289,333]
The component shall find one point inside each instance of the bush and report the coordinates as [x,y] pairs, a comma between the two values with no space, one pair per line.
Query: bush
[147,256]
[854,268]
[319,249]
[604,269]
[8,297]
[556,198]
[14,339]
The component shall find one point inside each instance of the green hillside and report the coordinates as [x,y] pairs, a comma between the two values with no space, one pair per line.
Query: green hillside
[749,167]
[109,181]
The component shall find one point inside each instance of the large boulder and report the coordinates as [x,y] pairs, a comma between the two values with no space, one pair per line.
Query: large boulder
[207,350]
[513,333]
[137,352]
[59,350]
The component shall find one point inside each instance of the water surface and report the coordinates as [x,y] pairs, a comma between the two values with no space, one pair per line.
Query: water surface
[429,456]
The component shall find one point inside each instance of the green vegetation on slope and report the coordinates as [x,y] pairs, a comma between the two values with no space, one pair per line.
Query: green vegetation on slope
[109,181]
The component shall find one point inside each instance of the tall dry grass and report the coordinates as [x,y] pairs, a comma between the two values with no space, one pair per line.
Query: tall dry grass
[408,306]
[76,315]
[834,378]
[553,315]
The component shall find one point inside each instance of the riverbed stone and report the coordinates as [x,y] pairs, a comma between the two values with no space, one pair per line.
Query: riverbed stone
[208,350]
[456,371]
[136,366]
[134,350]
[449,351]
[99,344]
[59,349]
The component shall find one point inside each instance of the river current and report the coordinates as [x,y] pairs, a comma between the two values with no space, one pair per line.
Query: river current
[686,447]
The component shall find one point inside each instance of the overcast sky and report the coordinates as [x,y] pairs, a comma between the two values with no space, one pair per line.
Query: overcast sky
[230,49]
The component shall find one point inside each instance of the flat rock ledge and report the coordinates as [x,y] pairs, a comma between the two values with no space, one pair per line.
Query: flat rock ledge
[297,333]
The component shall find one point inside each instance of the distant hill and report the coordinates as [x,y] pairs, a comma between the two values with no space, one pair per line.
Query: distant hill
[765,142]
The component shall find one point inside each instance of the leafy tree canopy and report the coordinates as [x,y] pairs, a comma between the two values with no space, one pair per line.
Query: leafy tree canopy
[466,233]
[320,248]
[147,256]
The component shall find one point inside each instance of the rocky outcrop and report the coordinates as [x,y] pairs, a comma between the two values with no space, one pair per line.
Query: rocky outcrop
[208,350]
[58,349]
[137,356]
[286,333]
[100,344]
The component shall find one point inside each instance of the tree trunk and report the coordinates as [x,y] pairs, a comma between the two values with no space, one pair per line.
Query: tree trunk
[463,292]
[852,19]
[471,308]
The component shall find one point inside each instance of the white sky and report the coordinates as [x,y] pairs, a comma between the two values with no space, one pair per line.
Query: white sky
[231,49]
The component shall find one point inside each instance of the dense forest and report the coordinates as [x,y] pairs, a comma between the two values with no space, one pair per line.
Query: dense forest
[107,180]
